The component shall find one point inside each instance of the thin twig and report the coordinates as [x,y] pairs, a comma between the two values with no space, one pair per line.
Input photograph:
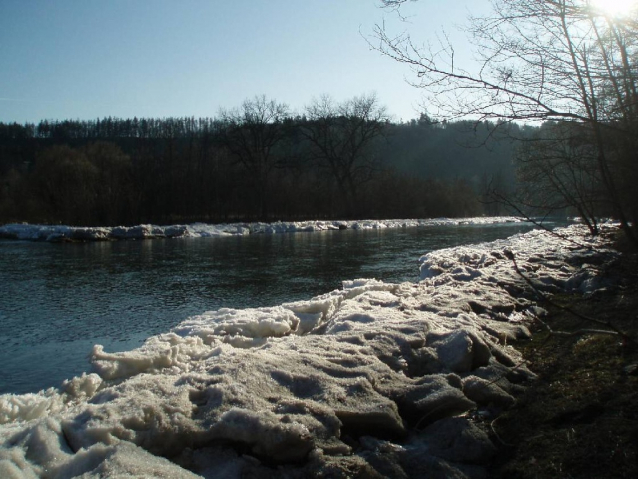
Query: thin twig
[500,439]
[499,198]
[577,332]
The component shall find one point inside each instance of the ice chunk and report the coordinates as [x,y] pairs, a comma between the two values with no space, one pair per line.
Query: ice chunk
[248,323]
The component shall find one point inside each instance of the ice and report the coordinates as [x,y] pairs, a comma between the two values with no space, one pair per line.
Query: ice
[57,233]
[373,379]
[247,323]
[26,407]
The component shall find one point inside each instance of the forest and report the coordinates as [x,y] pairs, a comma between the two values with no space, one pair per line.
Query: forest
[255,162]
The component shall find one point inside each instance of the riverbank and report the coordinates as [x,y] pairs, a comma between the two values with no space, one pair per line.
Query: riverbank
[579,418]
[373,380]
[61,233]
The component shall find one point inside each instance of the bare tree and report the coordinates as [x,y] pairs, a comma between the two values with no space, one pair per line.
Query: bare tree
[65,182]
[557,171]
[112,201]
[341,137]
[251,134]
[542,60]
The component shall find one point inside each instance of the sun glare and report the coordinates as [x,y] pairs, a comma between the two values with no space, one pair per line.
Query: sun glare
[615,7]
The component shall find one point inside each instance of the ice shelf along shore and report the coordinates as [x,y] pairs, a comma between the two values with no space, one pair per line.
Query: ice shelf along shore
[372,380]
[56,233]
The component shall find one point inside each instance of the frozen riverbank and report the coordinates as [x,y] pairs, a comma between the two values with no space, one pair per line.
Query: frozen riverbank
[201,230]
[370,379]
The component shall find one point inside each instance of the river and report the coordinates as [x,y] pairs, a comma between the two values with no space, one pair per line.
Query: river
[58,300]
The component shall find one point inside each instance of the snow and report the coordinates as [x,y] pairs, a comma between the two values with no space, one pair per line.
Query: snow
[23,231]
[374,379]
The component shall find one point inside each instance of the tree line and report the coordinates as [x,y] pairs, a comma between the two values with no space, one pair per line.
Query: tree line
[258,161]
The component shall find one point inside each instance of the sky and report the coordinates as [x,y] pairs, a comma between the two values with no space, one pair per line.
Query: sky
[88,59]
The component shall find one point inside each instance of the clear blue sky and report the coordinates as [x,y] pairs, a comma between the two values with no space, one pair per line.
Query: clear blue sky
[84,59]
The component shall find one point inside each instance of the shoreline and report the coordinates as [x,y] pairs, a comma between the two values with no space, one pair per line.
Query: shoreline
[578,419]
[369,379]
[62,233]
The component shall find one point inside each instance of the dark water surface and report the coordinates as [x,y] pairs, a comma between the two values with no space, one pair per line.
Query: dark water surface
[58,300]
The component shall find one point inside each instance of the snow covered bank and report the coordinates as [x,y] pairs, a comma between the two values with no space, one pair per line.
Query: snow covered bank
[198,230]
[375,379]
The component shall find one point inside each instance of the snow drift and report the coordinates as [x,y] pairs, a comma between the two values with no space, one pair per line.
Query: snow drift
[375,379]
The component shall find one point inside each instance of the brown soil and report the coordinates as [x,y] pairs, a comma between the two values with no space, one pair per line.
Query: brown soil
[579,419]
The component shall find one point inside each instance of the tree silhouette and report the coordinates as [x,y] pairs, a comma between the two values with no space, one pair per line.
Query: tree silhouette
[341,136]
[549,60]
[251,133]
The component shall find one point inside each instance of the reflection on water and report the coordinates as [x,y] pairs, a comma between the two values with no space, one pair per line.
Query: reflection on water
[57,300]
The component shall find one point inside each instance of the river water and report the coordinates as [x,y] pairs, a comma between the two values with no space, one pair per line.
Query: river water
[58,300]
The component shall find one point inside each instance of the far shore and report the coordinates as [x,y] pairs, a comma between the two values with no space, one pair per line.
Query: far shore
[63,233]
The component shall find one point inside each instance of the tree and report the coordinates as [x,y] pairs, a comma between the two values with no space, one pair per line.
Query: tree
[65,182]
[558,171]
[341,136]
[113,185]
[251,133]
[544,60]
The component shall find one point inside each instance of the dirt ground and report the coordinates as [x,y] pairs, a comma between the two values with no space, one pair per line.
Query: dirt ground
[579,419]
